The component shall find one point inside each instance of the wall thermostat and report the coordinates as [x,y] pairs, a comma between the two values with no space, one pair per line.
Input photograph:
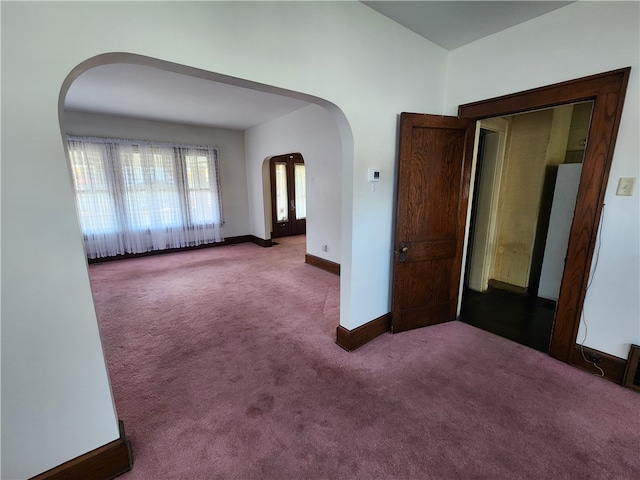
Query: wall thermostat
[373,175]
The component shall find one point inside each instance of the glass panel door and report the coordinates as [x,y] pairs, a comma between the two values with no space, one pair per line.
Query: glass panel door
[300,191]
[282,196]
[288,195]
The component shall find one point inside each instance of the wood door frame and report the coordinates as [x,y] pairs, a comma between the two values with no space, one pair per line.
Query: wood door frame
[289,158]
[607,91]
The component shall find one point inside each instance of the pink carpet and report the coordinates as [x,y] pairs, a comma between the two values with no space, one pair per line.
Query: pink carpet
[224,366]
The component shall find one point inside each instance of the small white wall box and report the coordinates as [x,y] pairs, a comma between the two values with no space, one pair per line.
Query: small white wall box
[373,175]
[625,186]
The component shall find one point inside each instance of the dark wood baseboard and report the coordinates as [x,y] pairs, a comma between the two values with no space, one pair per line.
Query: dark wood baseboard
[103,463]
[613,367]
[327,265]
[226,241]
[497,284]
[260,241]
[352,339]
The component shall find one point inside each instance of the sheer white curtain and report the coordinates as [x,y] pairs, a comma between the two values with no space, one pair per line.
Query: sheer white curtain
[135,197]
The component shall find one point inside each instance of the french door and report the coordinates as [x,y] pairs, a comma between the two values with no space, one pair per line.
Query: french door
[288,195]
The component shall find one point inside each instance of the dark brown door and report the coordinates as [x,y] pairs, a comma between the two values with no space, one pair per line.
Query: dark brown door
[288,195]
[433,190]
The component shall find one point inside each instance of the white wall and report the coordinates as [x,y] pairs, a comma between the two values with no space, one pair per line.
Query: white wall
[230,144]
[580,39]
[56,402]
[312,132]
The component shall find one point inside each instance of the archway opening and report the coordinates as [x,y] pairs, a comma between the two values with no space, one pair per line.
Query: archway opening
[244,218]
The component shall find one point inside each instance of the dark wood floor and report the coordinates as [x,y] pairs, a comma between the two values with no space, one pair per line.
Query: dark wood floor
[523,319]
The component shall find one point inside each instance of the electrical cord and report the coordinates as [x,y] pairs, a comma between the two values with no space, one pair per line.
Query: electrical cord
[582,350]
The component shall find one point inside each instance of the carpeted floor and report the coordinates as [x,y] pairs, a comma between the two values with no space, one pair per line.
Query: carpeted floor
[224,366]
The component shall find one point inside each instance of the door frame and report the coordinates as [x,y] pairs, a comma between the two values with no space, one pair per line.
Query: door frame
[294,226]
[607,91]
[498,126]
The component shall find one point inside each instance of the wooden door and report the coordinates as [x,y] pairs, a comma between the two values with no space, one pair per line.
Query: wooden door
[288,195]
[433,189]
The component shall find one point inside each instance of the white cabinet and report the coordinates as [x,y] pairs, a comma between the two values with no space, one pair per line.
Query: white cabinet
[563,206]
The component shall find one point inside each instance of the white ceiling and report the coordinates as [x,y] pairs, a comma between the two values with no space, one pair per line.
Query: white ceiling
[146,92]
[452,24]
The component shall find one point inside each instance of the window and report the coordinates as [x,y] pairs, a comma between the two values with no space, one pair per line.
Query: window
[135,196]
[96,208]
[201,206]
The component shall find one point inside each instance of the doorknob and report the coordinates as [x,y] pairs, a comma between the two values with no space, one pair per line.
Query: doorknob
[293,205]
[402,256]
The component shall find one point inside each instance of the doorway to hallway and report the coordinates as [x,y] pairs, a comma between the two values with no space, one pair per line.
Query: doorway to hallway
[527,173]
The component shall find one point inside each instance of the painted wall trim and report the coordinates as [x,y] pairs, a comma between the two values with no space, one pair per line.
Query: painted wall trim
[322,263]
[613,367]
[103,463]
[352,339]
